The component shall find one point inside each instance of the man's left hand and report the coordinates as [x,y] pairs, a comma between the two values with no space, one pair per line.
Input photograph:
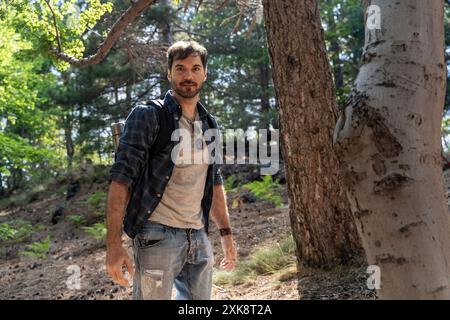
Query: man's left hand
[229,251]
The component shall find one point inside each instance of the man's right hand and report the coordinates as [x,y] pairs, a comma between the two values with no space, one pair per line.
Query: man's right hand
[116,258]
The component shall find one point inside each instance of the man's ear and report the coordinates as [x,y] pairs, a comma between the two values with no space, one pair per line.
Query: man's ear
[169,75]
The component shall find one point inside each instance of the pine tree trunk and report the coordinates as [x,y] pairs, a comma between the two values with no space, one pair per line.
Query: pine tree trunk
[388,141]
[335,49]
[321,219]
[165,40]
[264,78]
[70,149]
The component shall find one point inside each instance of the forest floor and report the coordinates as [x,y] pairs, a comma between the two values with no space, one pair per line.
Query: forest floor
[256,225]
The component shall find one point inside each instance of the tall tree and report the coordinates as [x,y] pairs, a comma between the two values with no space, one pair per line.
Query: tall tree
[166,39]
[239,88]
[88,99]
[344,36]
[29,143]
[388,139]
[320,214]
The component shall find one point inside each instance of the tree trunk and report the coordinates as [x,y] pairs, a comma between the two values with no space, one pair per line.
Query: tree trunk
[264,83]
[165,40]
[388,141]
[321,220]
[129,97]
[264,78]
[2,188]
[335,49]
[338,72]
[70,149]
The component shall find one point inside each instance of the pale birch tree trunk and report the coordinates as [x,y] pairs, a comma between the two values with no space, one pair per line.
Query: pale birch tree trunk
[388,140]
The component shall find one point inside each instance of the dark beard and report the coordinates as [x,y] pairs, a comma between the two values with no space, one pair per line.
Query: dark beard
[187,94]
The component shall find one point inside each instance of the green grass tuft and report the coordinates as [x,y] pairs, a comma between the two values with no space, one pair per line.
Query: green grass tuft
[267,189]
[16,230]
[38,249]
[97,230]
[262,261]
[77,219]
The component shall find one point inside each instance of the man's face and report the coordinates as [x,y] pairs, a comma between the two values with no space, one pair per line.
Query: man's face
[187,76]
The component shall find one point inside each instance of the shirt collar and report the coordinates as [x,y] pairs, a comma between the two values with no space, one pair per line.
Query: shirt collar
[174,106]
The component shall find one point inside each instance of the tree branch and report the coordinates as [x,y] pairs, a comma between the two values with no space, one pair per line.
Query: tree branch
[114,34]
[222,5]
[58,39]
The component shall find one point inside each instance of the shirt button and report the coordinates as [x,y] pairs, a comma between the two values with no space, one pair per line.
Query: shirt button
[158,195]
[167,177]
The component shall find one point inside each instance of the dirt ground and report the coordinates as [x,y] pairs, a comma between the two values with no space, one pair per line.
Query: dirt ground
[72,250]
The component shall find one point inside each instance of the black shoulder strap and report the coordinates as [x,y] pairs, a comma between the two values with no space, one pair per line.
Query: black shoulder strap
[166,127]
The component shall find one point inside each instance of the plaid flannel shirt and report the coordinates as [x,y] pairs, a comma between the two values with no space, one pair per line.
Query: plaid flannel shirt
[147,175]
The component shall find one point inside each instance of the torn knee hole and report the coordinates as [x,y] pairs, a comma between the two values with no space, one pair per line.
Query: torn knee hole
[155,276]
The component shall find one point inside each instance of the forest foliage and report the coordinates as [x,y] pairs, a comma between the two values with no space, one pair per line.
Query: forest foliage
[55,117]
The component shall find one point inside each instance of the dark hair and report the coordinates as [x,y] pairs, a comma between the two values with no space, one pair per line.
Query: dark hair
[182,49]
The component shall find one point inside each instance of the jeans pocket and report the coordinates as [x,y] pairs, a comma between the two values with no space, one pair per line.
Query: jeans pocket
[151,235]
[205,251]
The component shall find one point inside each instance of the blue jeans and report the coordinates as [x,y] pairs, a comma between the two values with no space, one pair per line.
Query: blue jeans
[166,256]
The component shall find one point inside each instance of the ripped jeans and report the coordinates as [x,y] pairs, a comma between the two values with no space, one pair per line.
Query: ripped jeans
[166,256]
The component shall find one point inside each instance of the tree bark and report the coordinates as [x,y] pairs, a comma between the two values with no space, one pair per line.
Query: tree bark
[322,224]
[388,141]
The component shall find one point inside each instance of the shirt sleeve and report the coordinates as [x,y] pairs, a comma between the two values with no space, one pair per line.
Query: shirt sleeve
[139,134]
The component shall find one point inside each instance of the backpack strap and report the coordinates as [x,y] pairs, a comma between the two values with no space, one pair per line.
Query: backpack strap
[166,127]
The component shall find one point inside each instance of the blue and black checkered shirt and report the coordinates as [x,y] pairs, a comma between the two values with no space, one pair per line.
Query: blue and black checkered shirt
[148,182]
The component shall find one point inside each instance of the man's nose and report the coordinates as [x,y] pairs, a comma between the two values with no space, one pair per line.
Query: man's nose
[188,75]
